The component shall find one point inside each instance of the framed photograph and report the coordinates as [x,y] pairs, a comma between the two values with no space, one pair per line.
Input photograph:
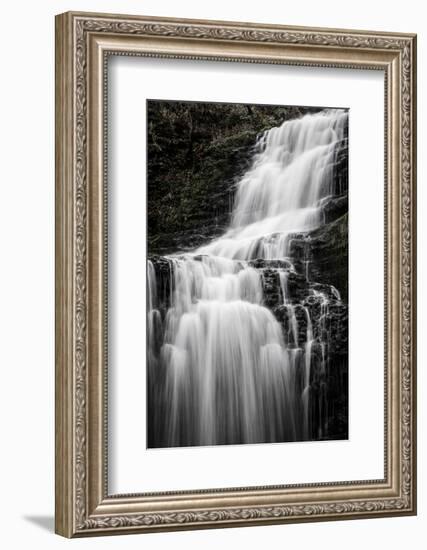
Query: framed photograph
[235,274]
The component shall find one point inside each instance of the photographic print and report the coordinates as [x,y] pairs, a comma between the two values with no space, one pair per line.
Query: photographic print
[247,273]
[203,289]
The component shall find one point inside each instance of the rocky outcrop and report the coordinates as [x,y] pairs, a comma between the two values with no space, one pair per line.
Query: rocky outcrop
[323,254]
[164,282]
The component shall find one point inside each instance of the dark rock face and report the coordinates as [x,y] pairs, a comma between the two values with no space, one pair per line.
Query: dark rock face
[323,254]
[334,208]
[164,281]
[196,153]
[340,173]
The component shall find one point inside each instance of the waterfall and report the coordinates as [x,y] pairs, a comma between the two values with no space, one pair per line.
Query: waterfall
[282,193]
[223,367]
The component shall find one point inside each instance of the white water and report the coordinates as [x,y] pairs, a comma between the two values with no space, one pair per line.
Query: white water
[228,372]
[282,193]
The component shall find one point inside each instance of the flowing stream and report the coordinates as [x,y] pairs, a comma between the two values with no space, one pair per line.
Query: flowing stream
[222,368]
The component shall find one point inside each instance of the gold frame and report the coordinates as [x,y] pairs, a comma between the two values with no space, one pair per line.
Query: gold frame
[83,42]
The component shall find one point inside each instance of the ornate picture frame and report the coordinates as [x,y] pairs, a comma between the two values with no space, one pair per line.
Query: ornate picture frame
[84,42]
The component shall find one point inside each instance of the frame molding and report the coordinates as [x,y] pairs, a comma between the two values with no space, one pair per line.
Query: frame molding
[83,42]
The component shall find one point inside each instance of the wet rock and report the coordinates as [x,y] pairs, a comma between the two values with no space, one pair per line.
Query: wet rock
[164,280]
[337,327]
[298,287]
[340,177]
[284,314]
[327,292]
[323,254]
[334,207]
[271,264]
[271,288]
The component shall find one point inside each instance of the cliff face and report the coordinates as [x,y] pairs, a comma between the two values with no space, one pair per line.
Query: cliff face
[323,254]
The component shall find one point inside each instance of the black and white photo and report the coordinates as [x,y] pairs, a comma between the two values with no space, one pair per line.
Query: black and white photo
[247,273]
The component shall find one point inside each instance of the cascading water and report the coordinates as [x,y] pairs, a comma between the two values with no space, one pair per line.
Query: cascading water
[223,368]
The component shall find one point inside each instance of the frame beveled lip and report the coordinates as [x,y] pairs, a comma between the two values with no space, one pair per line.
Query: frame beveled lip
[83,42]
